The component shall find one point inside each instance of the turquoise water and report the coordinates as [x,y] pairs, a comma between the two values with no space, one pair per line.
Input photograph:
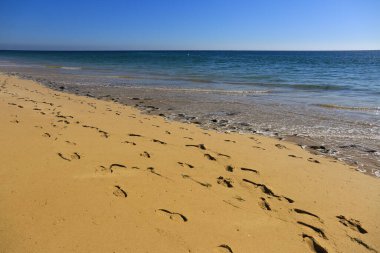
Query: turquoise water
[330,97]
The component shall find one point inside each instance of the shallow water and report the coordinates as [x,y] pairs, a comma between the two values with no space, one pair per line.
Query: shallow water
[326,98]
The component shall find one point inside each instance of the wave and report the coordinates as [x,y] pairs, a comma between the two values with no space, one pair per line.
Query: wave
[195,80]
[215,91]
[318,87]
[350,108]
[9,65]
[169,78]
[18,65]
[127,77]
[62,67]
[72,68]
[308,87]
[53,66]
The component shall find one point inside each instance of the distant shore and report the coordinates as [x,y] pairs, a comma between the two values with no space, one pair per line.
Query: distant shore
[80,174]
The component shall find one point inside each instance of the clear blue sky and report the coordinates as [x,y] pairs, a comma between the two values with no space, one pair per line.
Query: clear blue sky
[190,24]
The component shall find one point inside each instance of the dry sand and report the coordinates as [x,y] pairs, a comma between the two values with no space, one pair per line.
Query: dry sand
[83,175]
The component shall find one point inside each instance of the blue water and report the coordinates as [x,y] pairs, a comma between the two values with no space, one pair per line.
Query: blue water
[349,78]
[332,97]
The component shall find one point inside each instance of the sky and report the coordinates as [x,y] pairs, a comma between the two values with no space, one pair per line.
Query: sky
[190,24]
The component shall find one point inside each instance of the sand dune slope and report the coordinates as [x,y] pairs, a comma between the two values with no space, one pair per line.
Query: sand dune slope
[82,175]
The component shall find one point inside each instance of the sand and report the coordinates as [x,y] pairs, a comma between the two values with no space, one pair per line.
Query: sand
[82,175]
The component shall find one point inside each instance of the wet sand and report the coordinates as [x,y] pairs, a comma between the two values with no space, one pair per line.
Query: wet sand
[325,130]
[84,175]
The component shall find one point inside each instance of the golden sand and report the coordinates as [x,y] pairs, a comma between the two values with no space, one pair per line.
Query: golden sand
[83,175]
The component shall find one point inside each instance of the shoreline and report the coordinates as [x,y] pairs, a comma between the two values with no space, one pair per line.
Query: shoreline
[81,174]
[141,98]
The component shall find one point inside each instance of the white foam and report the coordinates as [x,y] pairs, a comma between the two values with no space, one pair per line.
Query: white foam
[361,170]
[215,91]
[376,173]
[71,68]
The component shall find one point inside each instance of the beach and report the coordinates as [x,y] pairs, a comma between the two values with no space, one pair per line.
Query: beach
[326,101]
[85,175]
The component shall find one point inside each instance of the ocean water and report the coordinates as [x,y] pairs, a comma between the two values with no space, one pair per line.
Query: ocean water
[331,98]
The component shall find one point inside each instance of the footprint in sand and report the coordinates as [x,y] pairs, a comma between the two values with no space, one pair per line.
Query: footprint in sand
[134,135]
[352,224]
[73,156]
[19,106]
[315,229]
[227,182]
[117,165]
[130,142]
[280,146]
[238,198]
[173,216]
[145,154]
[210,157]
[229,168]
[361,243]
[223,248]
[257,147]
[312,160]
[151,169]
[265,189]
[111,168]
[255,140]
[59,115]
[160,142]
[300,211]
[119,192]
[313,244]
[264,204]
[63,121]
[200,146]
[71,143]
[103,133]
[186,164]
[250,170]
[196,181]
[223,155]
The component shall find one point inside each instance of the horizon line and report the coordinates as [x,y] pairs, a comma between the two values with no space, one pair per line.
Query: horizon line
[174,50]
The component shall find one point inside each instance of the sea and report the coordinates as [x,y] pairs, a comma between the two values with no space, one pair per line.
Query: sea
[325,101]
